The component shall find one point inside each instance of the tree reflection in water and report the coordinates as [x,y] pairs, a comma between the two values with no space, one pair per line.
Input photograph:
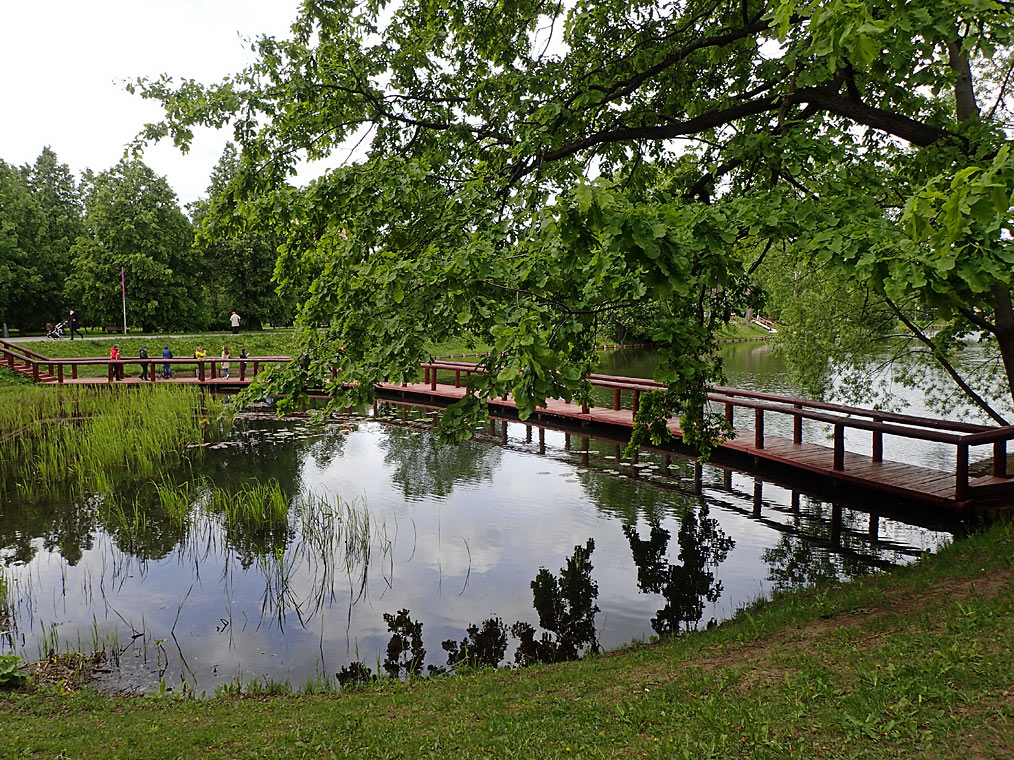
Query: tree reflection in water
[423,468]
[685,586]
[823,547]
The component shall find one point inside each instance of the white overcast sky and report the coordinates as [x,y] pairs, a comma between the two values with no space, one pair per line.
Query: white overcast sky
[63,63]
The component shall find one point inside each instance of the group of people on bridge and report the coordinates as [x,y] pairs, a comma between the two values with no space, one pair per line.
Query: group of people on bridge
[116,361]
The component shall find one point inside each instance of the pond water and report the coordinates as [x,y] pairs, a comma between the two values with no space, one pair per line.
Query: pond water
[454,534]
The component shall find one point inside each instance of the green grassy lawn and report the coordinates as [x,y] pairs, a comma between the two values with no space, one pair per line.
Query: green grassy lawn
[739,328]
[915,663]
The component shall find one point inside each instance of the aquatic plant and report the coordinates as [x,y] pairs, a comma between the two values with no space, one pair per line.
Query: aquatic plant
[80,438]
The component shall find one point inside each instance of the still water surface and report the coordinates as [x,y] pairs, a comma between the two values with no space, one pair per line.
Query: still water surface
[455,534]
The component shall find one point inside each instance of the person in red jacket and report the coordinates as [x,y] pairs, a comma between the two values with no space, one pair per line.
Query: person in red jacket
[114,361]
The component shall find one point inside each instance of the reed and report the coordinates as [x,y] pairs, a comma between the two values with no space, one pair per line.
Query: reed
[82,438]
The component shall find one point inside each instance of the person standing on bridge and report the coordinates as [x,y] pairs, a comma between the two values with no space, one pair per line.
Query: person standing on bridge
[114,362]
[144,365]
[225,362]
[72,322]
[166,354]
[234,321]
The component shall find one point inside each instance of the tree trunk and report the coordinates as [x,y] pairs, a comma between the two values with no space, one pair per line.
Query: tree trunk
[1004,321]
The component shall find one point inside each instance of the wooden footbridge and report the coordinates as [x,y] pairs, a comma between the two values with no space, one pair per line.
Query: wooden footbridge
[443,384]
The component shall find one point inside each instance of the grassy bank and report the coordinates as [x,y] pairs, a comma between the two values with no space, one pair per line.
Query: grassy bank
[919,662]
[740,329]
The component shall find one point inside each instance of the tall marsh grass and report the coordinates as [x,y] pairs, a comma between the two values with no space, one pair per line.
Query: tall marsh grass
[52,437]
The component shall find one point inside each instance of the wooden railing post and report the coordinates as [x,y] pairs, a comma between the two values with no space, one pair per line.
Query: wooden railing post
[878,443]
[256,368]
[729,413]
[797,426]
[200,371]
[242,371]
[35,371]
[109,372]
[839,446]
[426,375]
[457,378]
[433,379]
[59,374]
[758,428]
[616,398]
[214,368]
[961,472]
[73,371]
[1000,459]
[637,401]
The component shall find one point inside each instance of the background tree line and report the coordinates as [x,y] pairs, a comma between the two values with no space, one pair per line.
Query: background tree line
[63,241]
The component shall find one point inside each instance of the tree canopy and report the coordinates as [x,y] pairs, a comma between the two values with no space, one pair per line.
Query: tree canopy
[40,217]
[241,256]
[133,221]
[525,168]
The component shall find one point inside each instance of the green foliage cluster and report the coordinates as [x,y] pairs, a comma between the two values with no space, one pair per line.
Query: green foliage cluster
[11,673]
[525,176]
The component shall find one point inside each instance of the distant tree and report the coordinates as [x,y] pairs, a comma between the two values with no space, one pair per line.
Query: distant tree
[23,238]
[57,192]
[133,220]
[241,256]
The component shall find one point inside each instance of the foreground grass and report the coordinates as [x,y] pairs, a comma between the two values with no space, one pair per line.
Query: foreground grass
[915,663]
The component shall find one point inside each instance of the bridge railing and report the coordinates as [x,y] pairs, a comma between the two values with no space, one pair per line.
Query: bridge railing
[839,417]
[43,368]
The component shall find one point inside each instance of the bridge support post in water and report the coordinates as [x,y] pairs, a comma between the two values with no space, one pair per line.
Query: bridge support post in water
[839,446]
[585,453]
[794,501]
[758,496]
[528,433]
[874,529]
[503,432]
[666,462]
[727,480]
[836,514]
[698,478]
[542,440]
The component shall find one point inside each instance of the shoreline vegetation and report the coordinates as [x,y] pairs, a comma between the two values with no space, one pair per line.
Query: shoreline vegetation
[915,662]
